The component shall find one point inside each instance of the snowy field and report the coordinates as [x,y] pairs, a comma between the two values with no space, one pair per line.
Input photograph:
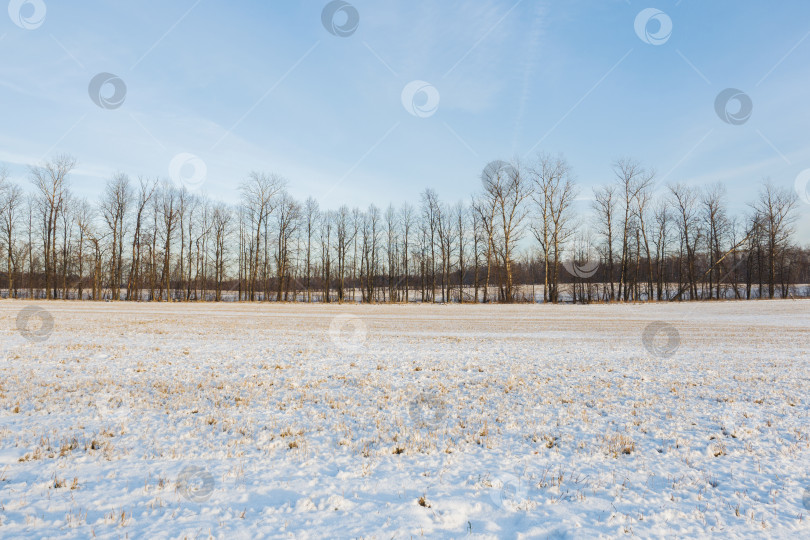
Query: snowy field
[313,421]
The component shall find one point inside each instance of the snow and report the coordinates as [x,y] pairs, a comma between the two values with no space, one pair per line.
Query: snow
[311,421]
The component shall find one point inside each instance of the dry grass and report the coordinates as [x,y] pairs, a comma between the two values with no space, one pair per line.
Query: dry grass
[574,411]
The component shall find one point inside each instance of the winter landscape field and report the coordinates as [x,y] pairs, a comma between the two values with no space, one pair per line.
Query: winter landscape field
[401,421]
[341,269]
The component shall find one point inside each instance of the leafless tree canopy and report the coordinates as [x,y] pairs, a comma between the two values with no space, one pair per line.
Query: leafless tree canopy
[523,236]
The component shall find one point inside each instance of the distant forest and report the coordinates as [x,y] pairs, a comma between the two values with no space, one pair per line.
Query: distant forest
[519,238]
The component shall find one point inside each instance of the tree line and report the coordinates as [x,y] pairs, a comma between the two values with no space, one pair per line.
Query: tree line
[523,236]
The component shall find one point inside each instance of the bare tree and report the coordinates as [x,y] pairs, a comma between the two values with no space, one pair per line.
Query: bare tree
[430,221]
[661,235]
[170,212]
[643,199]
[604,206]
[311,218]
[484,208]
[50,181]
[446,235]
[287,223]
[222,218]
[632,178]
[327,221]
[146,190]
[114,204]
[775,211]
[461,217]
[553,194]
[371,232]
[86,218]
[684,201]
[479,238]
[259,198]
[12,199]
[84,222]
[30,204]
[67,220]
[714,216]
[391,249]
[344,235]
[407,218]
[507,186]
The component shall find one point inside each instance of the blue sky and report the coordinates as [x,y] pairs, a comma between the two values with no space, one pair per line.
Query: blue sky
[265,86]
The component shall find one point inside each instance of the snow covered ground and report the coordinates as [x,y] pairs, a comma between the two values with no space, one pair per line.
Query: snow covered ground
[312,421]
